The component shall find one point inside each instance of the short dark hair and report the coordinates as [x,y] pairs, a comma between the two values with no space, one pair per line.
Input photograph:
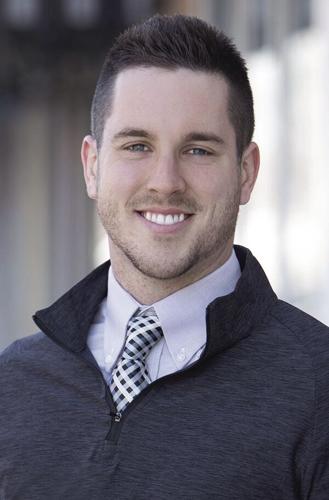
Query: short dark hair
[178,42]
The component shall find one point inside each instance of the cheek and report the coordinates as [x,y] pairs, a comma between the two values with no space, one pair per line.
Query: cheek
[208,187]
[218,194]
[119,180]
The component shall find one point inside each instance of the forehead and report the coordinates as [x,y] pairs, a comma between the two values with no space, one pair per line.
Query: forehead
[163,99]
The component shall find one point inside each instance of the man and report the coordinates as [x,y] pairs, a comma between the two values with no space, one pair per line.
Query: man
[174,373]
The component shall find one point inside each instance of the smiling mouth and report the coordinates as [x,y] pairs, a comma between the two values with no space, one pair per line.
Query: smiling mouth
[164,219]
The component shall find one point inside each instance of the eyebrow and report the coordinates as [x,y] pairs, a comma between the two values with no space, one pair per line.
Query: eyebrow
[132,132]
[204,137]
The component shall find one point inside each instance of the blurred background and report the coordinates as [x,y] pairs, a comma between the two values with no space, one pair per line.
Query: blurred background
[51,52]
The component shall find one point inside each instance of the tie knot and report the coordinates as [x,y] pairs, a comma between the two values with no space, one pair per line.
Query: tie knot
[143,332]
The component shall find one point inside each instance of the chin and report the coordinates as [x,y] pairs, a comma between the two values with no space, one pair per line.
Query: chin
[162,271]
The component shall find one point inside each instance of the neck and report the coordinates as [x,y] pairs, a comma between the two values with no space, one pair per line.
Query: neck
[148,290]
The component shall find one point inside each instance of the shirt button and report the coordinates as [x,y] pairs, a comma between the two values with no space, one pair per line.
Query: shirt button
[181,355]
[108,358]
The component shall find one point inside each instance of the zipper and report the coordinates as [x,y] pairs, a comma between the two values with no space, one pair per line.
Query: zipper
[117,418]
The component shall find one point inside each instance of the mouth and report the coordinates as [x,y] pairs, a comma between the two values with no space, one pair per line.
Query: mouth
[163,219]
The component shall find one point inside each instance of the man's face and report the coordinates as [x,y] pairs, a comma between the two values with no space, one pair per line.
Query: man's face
[167,179]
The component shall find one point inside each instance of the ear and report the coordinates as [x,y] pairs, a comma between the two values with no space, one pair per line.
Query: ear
[249,171]
[89,157]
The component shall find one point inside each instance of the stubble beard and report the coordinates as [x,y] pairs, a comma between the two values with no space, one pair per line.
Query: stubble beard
[208,245]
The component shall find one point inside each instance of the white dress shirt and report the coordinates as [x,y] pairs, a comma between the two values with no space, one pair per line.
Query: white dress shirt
[182,316]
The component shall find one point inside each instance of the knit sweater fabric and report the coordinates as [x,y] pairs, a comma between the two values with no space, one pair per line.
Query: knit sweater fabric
[248,421]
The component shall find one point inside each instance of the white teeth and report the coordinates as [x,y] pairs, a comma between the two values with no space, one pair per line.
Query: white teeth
[162,219]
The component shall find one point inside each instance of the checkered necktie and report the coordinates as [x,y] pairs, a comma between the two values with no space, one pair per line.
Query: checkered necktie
[130,375]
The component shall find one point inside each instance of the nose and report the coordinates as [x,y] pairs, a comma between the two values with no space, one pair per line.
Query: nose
[166,176]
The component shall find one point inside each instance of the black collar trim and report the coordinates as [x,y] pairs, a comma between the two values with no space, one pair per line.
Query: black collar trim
[229,318]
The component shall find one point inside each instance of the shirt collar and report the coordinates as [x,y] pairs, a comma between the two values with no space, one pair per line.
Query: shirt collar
[182,314]
[120,306]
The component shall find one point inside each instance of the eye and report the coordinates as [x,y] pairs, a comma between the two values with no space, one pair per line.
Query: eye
[137,148]
[198,152]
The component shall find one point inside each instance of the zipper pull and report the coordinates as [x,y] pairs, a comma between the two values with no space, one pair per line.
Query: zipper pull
[117,416]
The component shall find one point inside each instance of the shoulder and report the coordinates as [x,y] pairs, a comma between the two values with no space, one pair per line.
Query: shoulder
[20,366]
[295,345]
[306,330]
[310,337]
[21,345]
[26,349]
[308,343]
